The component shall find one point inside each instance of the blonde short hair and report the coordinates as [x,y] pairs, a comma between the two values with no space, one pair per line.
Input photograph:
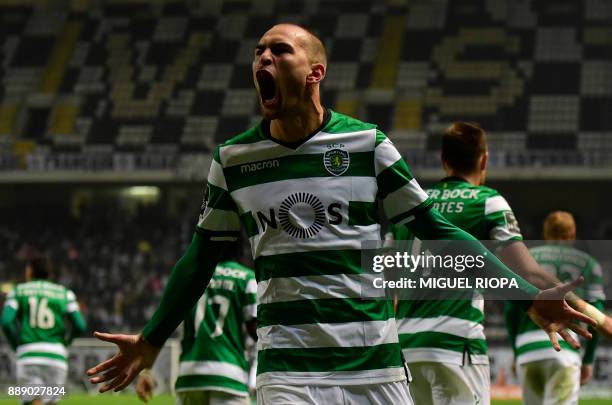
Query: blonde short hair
[559,225]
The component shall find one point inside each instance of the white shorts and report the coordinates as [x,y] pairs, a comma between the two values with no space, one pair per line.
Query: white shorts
[209,398]
[43,376]
[549,381]
[394,393]
[450,384]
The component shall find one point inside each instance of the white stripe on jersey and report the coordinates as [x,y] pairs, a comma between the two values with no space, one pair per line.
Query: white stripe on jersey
[216,176]
[496,204]
[339,188]
[404,199]
[315,335]
[53,348]
[213,368]
[442,324]
[285,289]
[534,336]
[352,238]
[332,378]
[385,155]
[564,356]
[354,142]
[42,361]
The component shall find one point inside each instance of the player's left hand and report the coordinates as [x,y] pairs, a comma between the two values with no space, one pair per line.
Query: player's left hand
[586,372]
[552,313]
[135,354]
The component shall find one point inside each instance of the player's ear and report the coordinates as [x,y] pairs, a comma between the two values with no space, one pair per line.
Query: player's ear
[483,160]
[317,73]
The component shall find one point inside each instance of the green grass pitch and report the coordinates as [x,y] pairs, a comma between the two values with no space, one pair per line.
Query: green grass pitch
[169,400]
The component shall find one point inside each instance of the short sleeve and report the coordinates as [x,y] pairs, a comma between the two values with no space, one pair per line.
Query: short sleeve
[501,222]
[218,215]
[401,194]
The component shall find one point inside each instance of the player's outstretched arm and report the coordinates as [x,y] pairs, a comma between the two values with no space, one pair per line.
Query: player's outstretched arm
[553,314]
[135,354]
[186,284]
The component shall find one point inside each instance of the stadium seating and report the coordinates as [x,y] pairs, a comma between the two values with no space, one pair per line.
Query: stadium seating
[132,74]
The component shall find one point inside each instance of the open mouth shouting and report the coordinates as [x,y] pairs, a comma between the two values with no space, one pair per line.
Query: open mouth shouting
[267,88]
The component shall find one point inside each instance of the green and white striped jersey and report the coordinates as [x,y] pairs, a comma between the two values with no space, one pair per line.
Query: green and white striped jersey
[566,263]
[213,349]
[443,331]
[307,208]
[41,308]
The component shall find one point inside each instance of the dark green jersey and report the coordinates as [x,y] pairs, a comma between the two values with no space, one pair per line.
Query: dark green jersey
[213,350]
[529,342]
[41,308]
[443,330]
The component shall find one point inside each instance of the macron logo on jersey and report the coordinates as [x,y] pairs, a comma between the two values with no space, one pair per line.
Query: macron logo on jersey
[253,167]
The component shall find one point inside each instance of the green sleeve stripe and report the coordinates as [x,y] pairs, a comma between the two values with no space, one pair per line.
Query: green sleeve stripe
[442,340]
[363,213]
[331,310]
[326,359]
[220,199]
[542,345]
[393,177]
[294,167]
[314,263]
[419,209]
[380,137]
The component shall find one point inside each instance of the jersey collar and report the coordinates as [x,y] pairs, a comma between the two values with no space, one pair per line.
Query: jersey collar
[265,128]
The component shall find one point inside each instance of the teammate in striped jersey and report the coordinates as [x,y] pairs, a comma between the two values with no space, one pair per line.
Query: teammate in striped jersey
[547,376]
[213,369]
[444,341]
[304,183]
[40,307]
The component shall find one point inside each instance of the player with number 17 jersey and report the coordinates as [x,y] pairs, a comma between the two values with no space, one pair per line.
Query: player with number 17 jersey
[213,344]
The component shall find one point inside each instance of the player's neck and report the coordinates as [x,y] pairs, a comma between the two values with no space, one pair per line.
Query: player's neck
[472,178]
[298,125]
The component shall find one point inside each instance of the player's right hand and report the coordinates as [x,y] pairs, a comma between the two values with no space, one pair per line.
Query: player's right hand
[552,313]
[135,354]
[145,386]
